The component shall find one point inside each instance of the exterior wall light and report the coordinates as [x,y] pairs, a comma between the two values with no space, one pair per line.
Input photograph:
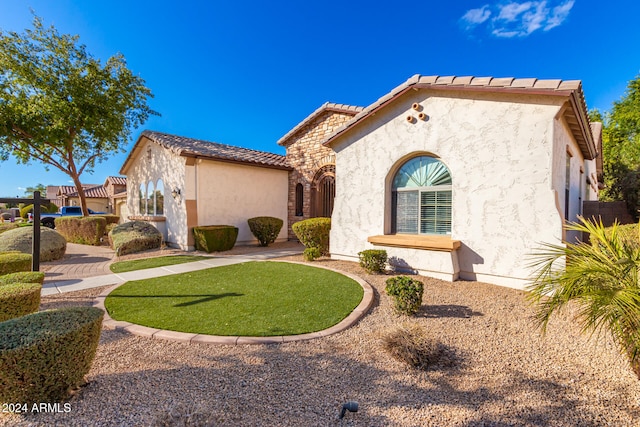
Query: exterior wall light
[175,193]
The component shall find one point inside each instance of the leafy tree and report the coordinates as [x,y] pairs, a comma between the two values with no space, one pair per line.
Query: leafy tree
[62,107]
[601,278]
[621,148]
[39,187]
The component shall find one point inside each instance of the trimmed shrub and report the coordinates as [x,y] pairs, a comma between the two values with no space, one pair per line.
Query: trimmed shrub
[311,254]
[373,260]
[314,233]
[87,230]
[411,344]
[13,262]
[46,354]
[110,219]
[7,227]
[628,234]
[22,277]
[52,244]
[19,299]
[265,229]
[215,238]
[406,293]
[134,236]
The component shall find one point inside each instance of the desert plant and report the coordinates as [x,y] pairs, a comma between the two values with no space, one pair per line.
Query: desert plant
[25,211]
[52,244]
[134,236]
[265,229]
[22,277]
[215,238]
[44,355]
[314,233]
[18,299]
[601,278]
[13,262]
[406,293]
[410,343]
[87,230]
[373,260]
[311,254]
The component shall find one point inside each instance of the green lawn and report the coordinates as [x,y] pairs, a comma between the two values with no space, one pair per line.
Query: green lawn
[141,264]
[247,299]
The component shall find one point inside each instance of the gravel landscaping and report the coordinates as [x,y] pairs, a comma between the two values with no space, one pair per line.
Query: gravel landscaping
[504,372]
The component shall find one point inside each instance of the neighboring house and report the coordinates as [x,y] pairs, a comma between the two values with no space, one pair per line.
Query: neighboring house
[462,177]
[178,183]
[107,197]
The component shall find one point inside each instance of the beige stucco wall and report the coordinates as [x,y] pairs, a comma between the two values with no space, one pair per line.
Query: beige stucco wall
[500,150]
[97,205]
[230,194]
[153,163]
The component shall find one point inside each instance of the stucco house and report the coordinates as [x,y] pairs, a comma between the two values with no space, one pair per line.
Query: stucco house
[456,177]
[462,177]
[177,183]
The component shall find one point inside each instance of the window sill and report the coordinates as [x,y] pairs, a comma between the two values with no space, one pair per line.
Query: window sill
[432,243]
[148,218]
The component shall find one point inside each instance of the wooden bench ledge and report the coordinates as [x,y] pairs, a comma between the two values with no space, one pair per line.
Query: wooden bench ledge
[432,243]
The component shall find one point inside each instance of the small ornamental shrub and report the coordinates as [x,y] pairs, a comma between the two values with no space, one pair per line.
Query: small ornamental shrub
[52,244]
[46,354]
[311,254]
[373,260]
[265,229]
[110,219]
[13,262]
[314,233]
[134,236]
[406,293]
[215,238]
[22,277]
[86,230]
[412,345]
[19,299]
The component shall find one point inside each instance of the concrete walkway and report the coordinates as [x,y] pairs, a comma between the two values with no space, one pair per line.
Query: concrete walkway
[86,267]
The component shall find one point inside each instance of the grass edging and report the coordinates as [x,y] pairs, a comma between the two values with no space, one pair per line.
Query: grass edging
[347,322]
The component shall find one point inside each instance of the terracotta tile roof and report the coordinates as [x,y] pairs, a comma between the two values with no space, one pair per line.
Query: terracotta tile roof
[116,180]
[97,192]
[575,115]
[190,147]
[327,106]
[65,190]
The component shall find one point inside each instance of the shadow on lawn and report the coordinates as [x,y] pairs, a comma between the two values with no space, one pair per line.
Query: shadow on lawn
[296,384]
[202,298]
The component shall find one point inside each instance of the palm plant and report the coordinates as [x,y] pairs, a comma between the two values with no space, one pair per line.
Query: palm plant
[602,278]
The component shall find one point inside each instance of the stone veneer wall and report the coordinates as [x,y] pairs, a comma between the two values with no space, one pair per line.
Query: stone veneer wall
[306,154]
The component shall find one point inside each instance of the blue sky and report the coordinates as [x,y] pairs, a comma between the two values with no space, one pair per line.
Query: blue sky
[245,72]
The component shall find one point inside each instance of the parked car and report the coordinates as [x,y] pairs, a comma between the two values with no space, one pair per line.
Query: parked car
[48,219]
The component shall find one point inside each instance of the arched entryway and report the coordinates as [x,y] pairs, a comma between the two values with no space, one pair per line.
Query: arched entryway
[323,191]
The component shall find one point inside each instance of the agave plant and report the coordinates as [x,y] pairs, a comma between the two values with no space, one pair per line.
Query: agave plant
[602,278]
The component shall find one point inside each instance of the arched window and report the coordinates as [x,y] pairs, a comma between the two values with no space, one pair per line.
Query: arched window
[143,199]
[422,197]
[159,198]
[150,192]
[299,200]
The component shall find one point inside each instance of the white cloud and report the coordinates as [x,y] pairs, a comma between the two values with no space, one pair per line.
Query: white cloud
[518,19]
[475,17]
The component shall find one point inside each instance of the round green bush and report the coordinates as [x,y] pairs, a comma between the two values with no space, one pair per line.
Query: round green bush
[18,299]
[46,354]
[52,244]
[22,277]
[373,260]
[14,261]
[406,292]
[215,238]
[314,233]
[134,236]
[265,229]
